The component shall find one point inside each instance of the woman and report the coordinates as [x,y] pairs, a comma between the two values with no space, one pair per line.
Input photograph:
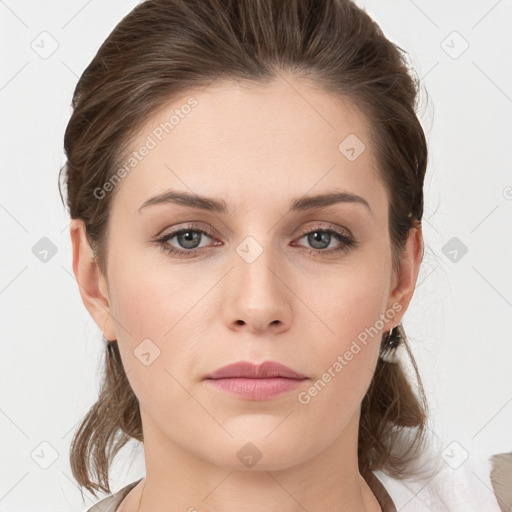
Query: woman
[245,180]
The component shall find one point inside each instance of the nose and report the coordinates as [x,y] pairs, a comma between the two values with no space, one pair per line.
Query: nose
[258,297]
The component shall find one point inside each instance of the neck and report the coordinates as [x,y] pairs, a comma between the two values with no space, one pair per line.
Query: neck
[177,480]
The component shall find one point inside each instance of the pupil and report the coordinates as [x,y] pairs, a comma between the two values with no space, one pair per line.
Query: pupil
[188,237]
[321,237]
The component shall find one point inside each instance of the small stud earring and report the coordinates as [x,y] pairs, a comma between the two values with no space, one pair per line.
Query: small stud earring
[390,342]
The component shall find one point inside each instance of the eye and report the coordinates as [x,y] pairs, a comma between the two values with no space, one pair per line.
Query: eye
[320,239]
[190,237]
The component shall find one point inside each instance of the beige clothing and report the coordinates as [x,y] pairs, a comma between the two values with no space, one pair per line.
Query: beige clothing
[110,503]
[481,485]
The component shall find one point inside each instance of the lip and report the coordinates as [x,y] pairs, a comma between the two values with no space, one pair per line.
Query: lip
[267,369]
[255,382]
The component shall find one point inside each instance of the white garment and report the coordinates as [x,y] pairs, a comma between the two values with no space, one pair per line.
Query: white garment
[466,489]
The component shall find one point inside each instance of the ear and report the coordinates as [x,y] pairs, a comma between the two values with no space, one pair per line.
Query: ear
[407,275]
[91,283]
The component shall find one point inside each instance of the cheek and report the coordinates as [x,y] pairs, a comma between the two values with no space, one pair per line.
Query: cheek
[150,342]
[163,312]
[150,295]
[345,355]
[346,330]
[345,303]
[159,327]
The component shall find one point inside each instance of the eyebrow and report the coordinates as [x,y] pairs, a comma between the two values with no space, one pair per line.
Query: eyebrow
[301,204]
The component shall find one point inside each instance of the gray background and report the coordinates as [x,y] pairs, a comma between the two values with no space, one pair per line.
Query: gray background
[459,321]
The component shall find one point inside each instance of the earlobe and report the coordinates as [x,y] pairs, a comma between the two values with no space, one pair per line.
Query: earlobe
[91,284]
[410,261]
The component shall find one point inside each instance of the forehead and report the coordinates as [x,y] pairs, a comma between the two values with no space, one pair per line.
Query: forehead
[259,142]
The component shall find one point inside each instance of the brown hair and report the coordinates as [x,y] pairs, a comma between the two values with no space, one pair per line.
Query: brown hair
[165,47]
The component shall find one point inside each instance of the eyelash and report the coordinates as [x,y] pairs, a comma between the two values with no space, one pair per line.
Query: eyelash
[347,241]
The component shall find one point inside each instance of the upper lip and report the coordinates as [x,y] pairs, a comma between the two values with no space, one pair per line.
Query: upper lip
[247,369]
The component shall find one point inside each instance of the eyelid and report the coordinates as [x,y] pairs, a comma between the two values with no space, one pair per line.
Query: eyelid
[320,225]
[326,226]
[343,235]
[186,225]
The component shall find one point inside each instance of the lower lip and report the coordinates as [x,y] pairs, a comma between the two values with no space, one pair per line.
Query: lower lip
[256,389]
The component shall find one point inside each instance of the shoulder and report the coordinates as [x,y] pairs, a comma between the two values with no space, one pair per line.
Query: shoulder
[455,484]
[501,479]
[110,503]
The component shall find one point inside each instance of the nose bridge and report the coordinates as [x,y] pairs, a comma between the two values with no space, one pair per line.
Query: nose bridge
[259,295]
[257,266]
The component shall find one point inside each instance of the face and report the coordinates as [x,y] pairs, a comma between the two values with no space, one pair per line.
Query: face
[271,276]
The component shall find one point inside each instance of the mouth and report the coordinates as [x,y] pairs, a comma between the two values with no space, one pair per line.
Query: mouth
[249,370]
[255,389]
[255,382]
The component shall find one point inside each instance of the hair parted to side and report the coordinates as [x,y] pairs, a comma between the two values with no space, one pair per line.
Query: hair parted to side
[165,47]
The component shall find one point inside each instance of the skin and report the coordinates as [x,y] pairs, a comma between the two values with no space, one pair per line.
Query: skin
[257,148]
